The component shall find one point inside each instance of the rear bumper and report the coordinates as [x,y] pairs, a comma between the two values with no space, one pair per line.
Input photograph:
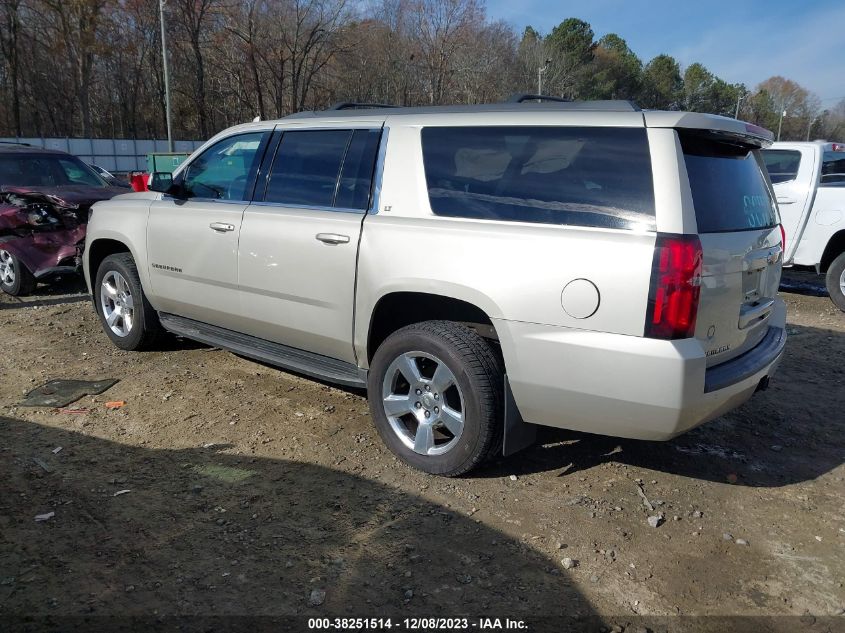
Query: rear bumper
[627,386]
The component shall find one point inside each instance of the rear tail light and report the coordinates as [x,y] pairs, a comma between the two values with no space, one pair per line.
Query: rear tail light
[782,239]
[675,287]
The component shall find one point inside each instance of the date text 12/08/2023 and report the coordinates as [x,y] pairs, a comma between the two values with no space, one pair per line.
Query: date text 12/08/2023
[416,624]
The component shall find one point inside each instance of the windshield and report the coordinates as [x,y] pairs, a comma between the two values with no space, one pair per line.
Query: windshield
[47,170]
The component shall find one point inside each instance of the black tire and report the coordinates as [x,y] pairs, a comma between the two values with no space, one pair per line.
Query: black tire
[833,281]
[23,283]
[145,328]
[478,372]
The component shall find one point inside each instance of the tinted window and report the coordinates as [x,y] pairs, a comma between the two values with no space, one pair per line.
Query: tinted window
[555,175]
[46,170]
[223,171]
[728,187]
[781,164]
[356,179]
[307,167]
[833,169]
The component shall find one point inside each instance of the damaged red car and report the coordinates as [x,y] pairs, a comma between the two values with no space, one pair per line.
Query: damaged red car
[45,196]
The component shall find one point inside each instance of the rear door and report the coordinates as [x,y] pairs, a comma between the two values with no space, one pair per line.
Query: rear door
[738,227]
[299,240]
[793,170]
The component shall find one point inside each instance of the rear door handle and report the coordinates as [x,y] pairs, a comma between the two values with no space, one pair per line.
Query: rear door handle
[222,227]
[783,200]
[333,238]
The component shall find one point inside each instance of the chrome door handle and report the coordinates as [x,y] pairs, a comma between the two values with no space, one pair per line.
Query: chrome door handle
[333,238]
[222,227]
[782,200]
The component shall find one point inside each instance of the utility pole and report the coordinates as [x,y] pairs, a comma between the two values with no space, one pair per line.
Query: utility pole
[780,121]
[540,72]
[739,99]
[166,77]
[810,123]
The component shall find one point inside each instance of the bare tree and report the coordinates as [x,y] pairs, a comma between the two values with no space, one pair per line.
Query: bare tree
[75,25]
[94,67]
[10,29]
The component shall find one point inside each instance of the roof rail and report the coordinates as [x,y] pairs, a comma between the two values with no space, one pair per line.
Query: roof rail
[352,105]
[15,143]
[519,97]
[605,105]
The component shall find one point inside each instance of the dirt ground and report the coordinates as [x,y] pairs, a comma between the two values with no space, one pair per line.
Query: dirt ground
[252,491]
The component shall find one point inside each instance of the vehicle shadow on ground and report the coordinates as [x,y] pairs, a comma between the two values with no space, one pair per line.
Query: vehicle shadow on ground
[70,289]
[793,432]
[140,531]
[803,282]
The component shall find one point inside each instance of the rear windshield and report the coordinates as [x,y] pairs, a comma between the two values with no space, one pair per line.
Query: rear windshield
[728,187]
[782,164]
[554,175]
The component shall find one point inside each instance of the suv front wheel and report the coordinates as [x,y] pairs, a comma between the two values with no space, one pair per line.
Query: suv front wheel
[435,391]
[125,314]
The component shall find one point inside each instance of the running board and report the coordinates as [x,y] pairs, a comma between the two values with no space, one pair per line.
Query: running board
[296,360]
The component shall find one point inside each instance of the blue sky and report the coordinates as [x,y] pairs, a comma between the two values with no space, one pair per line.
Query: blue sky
[739,40]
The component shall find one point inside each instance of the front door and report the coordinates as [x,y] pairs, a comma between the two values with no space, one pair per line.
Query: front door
[192,235]
[299,239]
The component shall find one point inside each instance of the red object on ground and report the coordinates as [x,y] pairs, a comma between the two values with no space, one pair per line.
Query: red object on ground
[140,182]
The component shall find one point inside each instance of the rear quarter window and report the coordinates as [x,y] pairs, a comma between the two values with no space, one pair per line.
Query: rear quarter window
[782,164]
[554,175]
[833,169]
[728,185]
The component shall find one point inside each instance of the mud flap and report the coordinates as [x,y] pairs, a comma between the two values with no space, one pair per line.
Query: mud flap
[518,434]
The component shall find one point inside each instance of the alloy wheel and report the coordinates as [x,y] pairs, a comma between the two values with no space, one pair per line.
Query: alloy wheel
[7,268]
[117,303]
[423,403]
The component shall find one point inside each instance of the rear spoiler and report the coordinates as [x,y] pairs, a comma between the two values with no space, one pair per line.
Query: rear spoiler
[721,125]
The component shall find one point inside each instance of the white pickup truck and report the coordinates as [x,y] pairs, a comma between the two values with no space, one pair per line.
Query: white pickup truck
[809,181]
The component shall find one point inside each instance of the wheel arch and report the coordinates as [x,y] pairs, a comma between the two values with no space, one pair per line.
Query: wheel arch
[98,250]
[835,247]
[395,310]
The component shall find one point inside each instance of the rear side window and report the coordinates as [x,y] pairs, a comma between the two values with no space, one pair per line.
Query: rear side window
[356,179]
[781,164]
[554,175]
[324,168]
[833,169]
[728,187]
[307,166]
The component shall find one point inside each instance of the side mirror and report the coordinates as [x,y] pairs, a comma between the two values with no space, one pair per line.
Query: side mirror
[161,181]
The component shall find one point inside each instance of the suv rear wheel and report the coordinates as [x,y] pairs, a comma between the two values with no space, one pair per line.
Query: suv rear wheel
[435,392]
[835,281]
[15,278]
[127,317]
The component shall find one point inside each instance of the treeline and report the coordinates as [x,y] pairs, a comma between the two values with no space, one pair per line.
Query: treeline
[93,68]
